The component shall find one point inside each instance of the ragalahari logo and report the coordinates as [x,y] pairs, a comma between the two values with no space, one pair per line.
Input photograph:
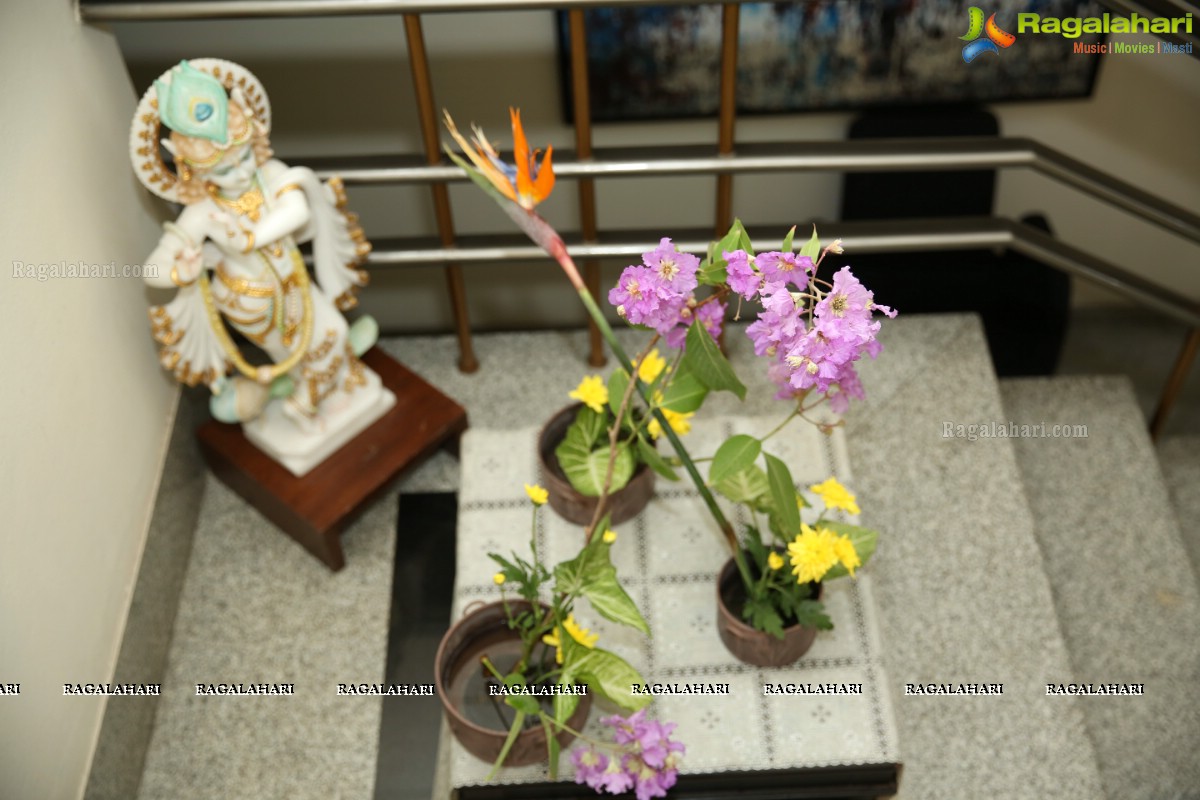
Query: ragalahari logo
[996,37]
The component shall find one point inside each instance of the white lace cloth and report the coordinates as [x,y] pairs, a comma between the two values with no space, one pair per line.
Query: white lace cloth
[667,559]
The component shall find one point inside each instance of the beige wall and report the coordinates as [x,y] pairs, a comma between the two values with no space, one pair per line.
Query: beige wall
[1140,125]
[84,406]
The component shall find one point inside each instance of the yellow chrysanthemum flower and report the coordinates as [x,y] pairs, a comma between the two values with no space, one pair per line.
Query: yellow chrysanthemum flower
[555,640]
[846,554]
[498,578]
[812,554]
[592,392]
[680,423]
[537,494]
[610,537]
[834,495]
[581,635]
[774,561]
[651,366]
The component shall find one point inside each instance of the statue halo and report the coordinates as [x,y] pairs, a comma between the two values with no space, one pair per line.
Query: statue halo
[146,130]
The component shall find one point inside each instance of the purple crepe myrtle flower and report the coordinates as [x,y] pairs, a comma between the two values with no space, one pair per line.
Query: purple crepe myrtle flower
[711,315]
[676,270]
[846,311]
[656,292]
[648,761]
[636,295]
[589,766]
[740,274]
[785,268]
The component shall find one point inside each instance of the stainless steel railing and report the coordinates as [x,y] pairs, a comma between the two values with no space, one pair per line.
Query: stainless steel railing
[723,161]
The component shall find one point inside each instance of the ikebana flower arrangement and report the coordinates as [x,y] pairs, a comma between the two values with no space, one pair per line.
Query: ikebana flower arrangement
[558,665]
[811,331]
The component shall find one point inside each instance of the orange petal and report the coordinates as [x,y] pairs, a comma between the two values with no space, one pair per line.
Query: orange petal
[521,156]
[545,178]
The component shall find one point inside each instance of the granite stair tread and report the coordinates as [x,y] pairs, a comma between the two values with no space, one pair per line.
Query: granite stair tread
[962,591]
[1123,584]
[257,608]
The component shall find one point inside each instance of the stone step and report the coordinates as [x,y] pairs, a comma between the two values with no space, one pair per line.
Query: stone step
[962,591]
[257,608]
[1123,585]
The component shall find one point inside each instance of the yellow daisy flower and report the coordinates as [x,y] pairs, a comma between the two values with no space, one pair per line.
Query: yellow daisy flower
[812,554]
[846,554]
[610,537]
[537,494]
[581,635]
[498,578]
[835,495]
[774,560]
[680,423]
[592,392]
[554,639]
[651,366]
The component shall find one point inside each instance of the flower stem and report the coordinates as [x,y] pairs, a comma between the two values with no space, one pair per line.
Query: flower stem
[613,433]
[795,413]
[705,494]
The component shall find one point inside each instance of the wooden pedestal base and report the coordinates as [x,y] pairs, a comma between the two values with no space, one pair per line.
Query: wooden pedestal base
[314,509]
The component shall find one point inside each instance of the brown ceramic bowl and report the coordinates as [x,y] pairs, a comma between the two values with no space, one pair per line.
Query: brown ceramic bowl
[569,504]
[472,719]
[750,645]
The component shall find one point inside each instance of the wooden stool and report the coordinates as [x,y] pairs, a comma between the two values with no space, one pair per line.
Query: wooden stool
[314,509]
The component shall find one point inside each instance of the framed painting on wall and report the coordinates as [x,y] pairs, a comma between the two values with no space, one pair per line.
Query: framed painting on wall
[657,62]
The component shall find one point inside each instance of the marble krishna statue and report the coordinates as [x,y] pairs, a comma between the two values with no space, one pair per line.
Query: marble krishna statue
[232,254]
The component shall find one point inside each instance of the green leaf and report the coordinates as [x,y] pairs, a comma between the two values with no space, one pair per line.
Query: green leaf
[685,393]
[747,486]
[590,425]
[564,707]
[811,614]
[586,468]
[651,458]
[787,240]
[754,546]
[743,238]
[863,539]
[523,703]
[552,746]
[713,275]
[762,615]
[733,456]
[609,675]
[612,602]
[812,248]
[706,361]
[617,382]
[517,724]
[592,575]
[783,494]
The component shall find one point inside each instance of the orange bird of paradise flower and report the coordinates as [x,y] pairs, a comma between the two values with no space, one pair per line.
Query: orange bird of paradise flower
[527,183]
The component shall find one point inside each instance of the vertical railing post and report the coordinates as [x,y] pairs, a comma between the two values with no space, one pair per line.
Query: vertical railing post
[583,150]
[728,111]
[1175,383]
[423,86]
